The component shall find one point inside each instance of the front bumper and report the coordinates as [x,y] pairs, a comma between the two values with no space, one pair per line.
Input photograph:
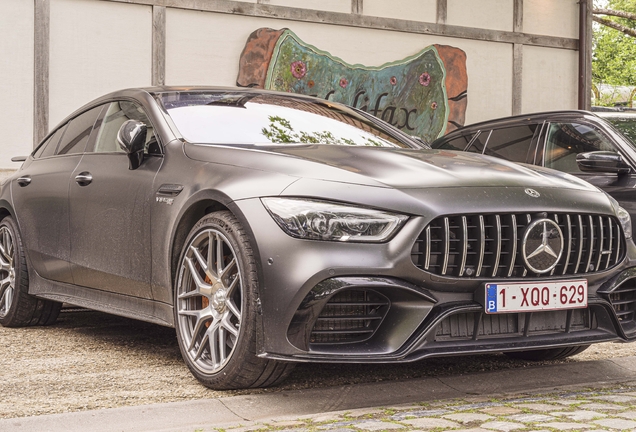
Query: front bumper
[410,313]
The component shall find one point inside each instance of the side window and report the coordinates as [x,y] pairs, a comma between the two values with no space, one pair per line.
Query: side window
[566,140]
[77,132]
[512,143]
[116,114]
[48,148]
[458,143]
[479,142]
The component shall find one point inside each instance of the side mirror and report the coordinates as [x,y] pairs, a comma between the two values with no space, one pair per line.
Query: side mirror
[132,139]
[602,162]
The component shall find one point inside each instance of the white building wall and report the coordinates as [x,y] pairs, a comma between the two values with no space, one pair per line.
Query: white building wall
[484,14]
[96,47]
[16,80]
[423,10]
[552,81]
[551,17]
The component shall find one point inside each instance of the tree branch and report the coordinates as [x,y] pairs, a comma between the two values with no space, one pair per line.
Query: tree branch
[615,13]
[609,23]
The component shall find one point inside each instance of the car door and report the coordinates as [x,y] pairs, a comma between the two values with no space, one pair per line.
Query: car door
[110,209]
[562,141]
[41,195]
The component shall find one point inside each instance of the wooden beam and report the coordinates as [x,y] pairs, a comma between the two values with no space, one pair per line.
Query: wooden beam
[158,45]
[42,21]
[356,6]
[517,60]
[442,11]
[361,21]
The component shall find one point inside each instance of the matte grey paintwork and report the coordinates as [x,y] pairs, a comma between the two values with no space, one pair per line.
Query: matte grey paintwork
[125,239]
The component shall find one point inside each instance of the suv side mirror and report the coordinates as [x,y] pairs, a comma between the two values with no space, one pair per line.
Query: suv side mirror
[602,162]
[132,139]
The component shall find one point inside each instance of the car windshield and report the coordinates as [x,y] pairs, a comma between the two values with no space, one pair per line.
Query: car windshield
[626,125]
[258,118]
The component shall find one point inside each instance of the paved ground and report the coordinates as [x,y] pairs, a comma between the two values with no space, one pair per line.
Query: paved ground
[579,396]
[89,361]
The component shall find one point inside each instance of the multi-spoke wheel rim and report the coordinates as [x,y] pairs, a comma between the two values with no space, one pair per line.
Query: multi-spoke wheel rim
[209,301]
[7,271]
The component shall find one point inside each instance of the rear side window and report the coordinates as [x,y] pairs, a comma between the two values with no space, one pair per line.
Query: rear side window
[566,140]
[513,143]
[49,147]
[77,132]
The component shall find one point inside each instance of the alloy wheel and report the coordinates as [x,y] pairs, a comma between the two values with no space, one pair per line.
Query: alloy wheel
[209,301]
[7,271]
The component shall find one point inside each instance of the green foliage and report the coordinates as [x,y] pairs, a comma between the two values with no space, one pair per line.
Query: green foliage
[614,53]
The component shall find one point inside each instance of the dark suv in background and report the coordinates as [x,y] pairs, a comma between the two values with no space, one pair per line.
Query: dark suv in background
[598,147]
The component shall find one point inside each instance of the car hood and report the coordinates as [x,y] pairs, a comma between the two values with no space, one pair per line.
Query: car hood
[382,167]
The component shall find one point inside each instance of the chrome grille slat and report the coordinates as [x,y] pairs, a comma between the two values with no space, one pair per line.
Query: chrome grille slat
[569,243]
[482,244]
[489,245]
[427,262]
[464,244]
[591,245]
[446,246]
[578,260]
[513,258]
[495,267]
[601,240]
[611,238]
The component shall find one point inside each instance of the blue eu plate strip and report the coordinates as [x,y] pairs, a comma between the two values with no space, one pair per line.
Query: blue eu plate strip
[491,298]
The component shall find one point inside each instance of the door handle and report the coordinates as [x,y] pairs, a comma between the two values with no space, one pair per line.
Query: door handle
[84,178]
[24,180]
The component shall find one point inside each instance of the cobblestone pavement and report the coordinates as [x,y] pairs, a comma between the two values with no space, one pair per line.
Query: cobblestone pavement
[605,409]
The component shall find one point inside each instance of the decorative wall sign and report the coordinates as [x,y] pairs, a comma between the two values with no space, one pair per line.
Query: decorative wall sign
[423,95]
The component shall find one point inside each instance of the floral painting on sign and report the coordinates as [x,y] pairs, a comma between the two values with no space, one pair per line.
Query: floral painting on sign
[423,95]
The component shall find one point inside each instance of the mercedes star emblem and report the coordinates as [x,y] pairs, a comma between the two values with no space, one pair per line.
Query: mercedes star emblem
[542,245]
[533,193]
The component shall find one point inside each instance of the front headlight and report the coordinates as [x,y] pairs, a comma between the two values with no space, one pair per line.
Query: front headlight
[625,220]
[320,220]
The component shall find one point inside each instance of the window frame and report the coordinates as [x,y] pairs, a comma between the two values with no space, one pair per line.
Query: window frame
[543,144]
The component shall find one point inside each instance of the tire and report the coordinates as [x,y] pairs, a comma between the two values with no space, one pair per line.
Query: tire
[215,308]
[547,354]
[17,307]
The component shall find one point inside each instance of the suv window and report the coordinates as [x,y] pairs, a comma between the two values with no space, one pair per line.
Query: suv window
[116,114]
[512,143]
[566,140]
[458,143]
[48,148]
[77,132]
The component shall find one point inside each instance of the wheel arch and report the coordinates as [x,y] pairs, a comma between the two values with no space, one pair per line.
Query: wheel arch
[203,204]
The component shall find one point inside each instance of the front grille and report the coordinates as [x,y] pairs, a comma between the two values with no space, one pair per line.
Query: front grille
[623,301]
[350,316]
[489,245]
[477,325]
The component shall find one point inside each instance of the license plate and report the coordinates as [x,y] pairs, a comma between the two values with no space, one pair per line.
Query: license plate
[536,296]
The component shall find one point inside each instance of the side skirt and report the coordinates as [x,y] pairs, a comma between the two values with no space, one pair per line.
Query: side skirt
[103,301]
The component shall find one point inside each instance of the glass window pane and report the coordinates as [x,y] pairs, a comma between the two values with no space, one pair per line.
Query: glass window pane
[116,114]
[458,143]
[78,131]
[512,143]
[479,142]
[49,147]
[566,140]
[246,118]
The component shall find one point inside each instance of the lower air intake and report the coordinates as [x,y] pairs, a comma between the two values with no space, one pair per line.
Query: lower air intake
[350,316]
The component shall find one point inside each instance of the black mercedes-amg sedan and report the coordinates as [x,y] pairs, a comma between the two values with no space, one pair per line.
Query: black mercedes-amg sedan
[272,228]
